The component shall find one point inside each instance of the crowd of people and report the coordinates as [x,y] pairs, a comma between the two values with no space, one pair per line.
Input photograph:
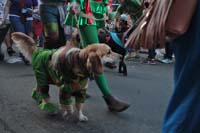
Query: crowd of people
[48,28]
[18,15]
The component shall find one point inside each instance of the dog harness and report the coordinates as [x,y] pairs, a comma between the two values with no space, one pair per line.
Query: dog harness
[116,39]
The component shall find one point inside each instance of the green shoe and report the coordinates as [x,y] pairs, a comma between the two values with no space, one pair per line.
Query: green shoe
[48,107]
[36,96]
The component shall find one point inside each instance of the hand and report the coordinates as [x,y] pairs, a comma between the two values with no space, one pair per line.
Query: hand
[108,9]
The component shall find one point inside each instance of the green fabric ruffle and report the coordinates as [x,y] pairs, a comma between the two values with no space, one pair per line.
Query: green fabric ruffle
[36,96]
[48,107]
[97,8]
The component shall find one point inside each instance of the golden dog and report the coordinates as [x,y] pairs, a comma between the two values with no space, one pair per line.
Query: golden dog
[67,66]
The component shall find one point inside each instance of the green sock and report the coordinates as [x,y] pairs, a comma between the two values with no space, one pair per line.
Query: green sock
[89,35]
[102,84]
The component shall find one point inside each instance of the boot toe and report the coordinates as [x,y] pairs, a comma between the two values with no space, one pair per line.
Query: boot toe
[114,104]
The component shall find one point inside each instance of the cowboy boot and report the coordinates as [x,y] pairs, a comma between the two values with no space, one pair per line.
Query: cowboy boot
[114,104]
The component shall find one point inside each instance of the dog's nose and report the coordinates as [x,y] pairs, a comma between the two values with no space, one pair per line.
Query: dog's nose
[115,54]
[109,52]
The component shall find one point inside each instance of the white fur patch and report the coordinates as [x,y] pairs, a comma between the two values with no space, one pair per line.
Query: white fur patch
[56,55]
[71,50]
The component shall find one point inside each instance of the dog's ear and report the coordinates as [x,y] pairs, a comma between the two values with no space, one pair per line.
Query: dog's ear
[94,64]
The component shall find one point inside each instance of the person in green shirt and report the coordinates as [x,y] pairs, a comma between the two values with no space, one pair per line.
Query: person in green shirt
[88,28]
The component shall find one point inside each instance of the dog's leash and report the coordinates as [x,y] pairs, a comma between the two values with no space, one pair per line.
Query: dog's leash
[82,14]
[79,31]
[91,75]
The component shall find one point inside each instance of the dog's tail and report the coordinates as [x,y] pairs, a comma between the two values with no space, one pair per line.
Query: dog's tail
[25,44]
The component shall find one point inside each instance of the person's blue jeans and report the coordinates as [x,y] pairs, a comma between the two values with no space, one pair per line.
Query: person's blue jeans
[19,26]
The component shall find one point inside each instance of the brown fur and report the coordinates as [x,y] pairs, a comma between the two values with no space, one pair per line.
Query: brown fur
[94,63]
[21,41]
[89,56]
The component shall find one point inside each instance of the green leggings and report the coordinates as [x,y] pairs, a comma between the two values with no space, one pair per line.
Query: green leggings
[89,35]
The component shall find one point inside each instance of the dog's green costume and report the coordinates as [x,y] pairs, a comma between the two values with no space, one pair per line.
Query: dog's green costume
[89,33]
[46,74]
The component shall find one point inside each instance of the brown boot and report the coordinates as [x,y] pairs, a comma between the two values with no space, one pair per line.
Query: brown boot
[115,104]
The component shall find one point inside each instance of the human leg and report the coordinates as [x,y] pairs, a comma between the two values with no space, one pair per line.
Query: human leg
[1,54]
[168,54]
[17,25]
[151,53]
[168,51]
[28,28]
[182,115]
[90,36]
[53,32]
[9,42]
[151,57]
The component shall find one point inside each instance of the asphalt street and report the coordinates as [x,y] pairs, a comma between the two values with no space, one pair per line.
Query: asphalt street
[147,88]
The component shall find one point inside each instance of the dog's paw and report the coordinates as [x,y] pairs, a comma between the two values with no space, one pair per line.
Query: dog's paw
[67,115]
[82,118]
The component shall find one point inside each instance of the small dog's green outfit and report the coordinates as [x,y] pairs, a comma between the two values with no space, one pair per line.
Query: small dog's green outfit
[45,75]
